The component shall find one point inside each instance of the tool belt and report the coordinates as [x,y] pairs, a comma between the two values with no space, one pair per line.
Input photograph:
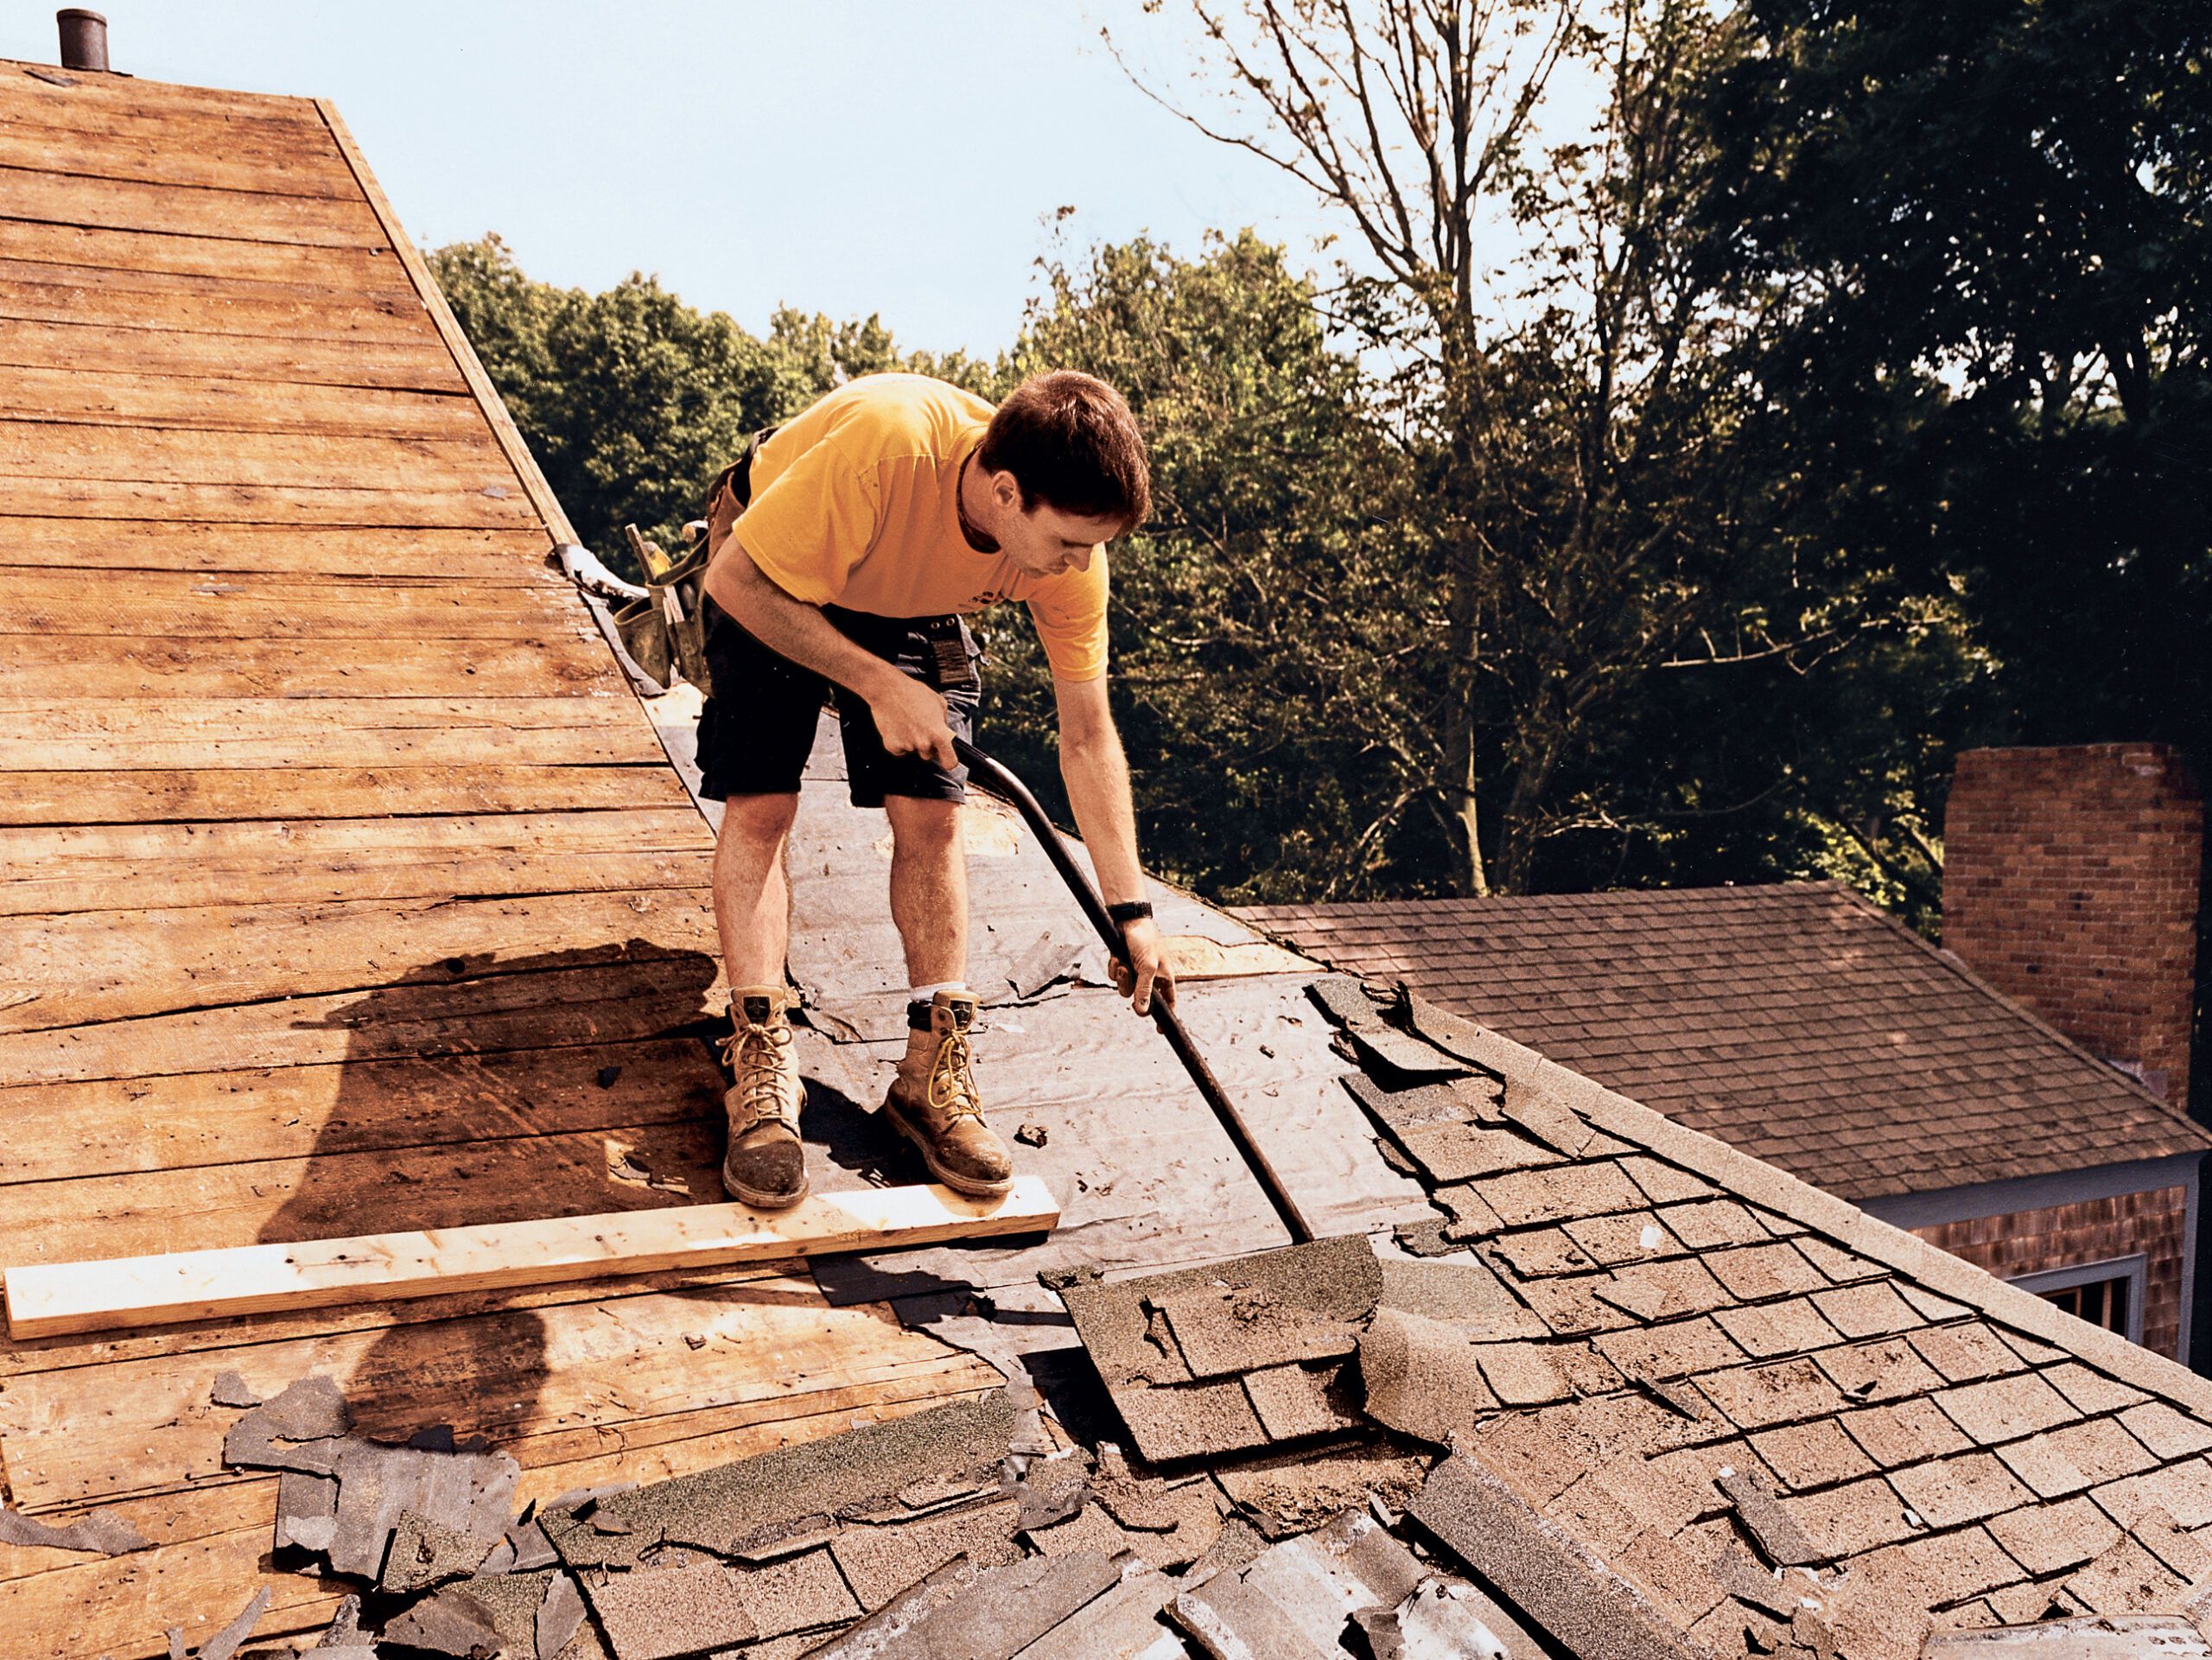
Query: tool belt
[665,632]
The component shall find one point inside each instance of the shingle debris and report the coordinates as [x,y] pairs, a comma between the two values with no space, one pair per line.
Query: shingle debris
[108,1535]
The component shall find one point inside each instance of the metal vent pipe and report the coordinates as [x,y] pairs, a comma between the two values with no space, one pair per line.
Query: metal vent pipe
[84,40]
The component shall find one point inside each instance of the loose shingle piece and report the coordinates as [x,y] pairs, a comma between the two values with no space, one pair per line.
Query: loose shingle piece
[1173,1349]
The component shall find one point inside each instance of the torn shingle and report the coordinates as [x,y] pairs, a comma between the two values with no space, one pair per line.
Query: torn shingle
[1466,1294]
[1189,1420]
[2049,1538]
[1777,1532]
[1547,1118]
[1295,1599]
[1544,1571]
[307,1510]
[1004,1610]
[1293,1403]
[759,1496]
[805,1593]
[426,1554]
[469,1492]
[1422,1376]
[107,1535]
[1762,1331]
[880,1561]
[2126,1580]
[1292,1492]
[878,1635]
[1221,1329]
[660,1613]
[1872,1372]
[1122,1624]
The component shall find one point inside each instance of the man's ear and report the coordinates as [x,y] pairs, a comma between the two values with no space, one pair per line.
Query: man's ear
[1006,490]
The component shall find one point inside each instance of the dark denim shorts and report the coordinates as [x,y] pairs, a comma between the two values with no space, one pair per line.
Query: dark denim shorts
[758,728]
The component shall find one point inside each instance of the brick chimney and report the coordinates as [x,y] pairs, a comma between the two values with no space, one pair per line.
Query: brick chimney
[2070,882]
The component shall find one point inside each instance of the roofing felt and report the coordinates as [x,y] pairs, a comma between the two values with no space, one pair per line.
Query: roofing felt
[1795,1022]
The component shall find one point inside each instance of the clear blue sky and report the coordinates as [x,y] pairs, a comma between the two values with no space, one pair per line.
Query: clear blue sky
[842,156]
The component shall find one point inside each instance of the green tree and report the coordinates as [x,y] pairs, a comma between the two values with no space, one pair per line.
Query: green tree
[1265,620]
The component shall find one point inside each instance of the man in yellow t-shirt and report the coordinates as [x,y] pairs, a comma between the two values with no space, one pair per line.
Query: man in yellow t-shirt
[844,555]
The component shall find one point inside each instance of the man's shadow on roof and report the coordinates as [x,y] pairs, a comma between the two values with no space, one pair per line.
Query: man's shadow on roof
[486,1088]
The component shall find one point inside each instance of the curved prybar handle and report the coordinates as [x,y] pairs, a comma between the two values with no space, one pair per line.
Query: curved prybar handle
[1000,782]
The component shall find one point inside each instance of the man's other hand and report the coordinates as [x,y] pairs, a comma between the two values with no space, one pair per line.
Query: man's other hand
[1147,971]
[911,720]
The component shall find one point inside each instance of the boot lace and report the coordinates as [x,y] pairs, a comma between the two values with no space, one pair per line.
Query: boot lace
[756,1056]
[952,1083]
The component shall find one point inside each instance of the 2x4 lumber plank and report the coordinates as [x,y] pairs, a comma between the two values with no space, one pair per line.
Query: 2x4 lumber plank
[62,972]
[489,1181]
[187,210]
[49,1300]
[362,271]
[305,665]
[137,604]
[612,991]
[279,159]
[30,297]
[520,556]
[78,796]
[213,403]
[81,348]
[70,1131]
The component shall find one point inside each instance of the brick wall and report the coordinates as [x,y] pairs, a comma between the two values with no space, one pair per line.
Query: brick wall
[2028,1242]
[2070,883]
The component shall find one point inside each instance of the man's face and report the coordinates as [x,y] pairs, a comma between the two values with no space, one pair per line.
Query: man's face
[1044,541]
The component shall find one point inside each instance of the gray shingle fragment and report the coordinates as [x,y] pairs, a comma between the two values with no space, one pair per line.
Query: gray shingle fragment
[291,1430]
[307,1510]
[469,1492]
[452,1621]
[1466,1294]
[1543,1570]
[231,1390]
[1296,1401]
[1191,1419]
[880,1561]
[1446,1619]
[1292,1492]
[1223,1329]
[796,1593]
[224,1644]
[557,1617]
[108,1535]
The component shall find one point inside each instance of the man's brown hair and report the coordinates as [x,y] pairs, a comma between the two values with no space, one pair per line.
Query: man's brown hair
[1070,441]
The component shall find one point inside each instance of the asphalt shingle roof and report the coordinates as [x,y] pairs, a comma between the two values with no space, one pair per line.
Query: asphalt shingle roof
[1796,1022]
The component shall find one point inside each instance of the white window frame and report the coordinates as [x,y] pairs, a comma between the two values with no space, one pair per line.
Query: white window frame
[2135,1269]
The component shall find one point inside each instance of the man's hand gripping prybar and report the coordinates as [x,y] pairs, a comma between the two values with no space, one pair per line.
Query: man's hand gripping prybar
[997,780]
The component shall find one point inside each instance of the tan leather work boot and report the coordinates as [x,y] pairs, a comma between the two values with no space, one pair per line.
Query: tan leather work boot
[934,1103]
[766,1166]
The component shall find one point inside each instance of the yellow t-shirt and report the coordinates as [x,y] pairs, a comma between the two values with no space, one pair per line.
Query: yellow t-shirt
[854,504]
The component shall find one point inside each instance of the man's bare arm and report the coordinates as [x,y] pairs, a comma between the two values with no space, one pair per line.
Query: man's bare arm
[1097,773]
[909,717]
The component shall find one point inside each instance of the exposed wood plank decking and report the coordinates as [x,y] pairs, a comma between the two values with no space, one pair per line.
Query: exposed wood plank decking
[343,888]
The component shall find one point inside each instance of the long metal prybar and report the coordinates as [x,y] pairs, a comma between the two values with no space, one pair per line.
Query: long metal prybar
[997,780]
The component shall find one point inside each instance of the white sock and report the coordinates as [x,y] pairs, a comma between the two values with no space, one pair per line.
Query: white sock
[923,994]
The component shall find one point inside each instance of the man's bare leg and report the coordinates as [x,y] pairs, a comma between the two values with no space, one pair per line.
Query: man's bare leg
[764,1163]
[752,898]
[929,888]
[934,1101]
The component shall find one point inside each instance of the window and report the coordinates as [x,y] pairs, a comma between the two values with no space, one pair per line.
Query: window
[2108,1294]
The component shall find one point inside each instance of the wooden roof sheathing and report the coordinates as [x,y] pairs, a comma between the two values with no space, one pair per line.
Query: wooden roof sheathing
[343,885]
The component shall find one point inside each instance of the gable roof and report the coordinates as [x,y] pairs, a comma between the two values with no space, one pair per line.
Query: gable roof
[1796,1022]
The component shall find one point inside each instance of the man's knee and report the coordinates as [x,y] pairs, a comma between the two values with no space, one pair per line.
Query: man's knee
[923,827]
[758,820]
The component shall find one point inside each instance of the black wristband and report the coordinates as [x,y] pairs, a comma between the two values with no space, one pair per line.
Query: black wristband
[1129,911]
